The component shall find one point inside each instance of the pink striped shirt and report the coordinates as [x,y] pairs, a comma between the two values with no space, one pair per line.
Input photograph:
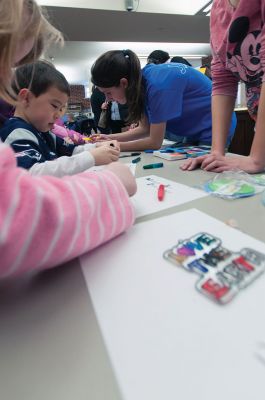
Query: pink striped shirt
[45,221]
[238,45]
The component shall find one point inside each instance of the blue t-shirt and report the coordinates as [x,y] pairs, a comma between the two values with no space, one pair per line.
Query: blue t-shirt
[180,96]
[32,146]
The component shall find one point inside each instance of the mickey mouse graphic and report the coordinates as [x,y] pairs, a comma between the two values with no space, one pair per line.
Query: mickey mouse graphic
[245,60]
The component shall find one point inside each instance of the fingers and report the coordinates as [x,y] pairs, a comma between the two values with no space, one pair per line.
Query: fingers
[112,153]
[114,158]
[221,169]
[210,159]
[115,152]
[186,166]
[115,143]
[209,162]
[218,167]
[99,137]
[213,162]
[191,164]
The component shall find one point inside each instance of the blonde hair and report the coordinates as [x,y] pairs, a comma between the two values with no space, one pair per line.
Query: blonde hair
[13,32]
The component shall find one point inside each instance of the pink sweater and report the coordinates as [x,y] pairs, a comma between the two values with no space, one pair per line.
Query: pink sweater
[237,39]
[45,221]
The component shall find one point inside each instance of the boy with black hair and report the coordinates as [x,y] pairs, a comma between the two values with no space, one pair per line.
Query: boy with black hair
[158,57]
[180,60]
[42,91]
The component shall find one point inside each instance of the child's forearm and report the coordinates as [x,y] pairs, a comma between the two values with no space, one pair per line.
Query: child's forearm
[257,152]
[154,140]
[222,109]
[132,134]
[63,166]
[141,144]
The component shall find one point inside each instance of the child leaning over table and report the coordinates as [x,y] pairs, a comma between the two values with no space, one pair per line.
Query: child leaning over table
[42,92]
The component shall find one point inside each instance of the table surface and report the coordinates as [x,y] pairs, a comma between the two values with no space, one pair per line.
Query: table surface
[50,342]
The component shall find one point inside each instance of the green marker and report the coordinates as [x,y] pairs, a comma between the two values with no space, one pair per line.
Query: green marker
[151,166]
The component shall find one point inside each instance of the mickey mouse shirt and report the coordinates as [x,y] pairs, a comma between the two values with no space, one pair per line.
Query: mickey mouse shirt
[237,40]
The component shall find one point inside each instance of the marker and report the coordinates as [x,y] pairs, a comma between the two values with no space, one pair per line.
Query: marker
[161,192]
[136,160]
[151,166]
[130,155]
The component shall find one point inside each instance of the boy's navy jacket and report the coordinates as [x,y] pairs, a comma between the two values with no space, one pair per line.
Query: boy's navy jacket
[31,145]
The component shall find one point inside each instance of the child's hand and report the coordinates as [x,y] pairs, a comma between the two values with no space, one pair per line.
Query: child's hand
[125,175]
[99,137]
[113,143]
[192,163]
[105,154]
[104,105]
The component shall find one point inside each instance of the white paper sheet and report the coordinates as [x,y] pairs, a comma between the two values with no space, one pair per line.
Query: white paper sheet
[167,142]
[101,167]
[146,202]
[166,341]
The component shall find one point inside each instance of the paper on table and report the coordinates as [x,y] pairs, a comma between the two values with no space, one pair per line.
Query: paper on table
[101,167]
[166,340]
[145,200]
[167,142]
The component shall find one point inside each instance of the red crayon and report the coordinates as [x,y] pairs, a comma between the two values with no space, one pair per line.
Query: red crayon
[161,192]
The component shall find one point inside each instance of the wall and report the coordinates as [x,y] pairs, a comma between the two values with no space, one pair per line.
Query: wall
[187,7]
[101,25]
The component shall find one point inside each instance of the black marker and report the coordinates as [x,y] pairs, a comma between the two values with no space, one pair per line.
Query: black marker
[130,155]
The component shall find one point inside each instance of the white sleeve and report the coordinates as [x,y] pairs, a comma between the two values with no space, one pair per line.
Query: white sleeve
[84,147]
[64,165]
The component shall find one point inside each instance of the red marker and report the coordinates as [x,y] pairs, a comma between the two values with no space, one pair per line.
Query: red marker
[161,192]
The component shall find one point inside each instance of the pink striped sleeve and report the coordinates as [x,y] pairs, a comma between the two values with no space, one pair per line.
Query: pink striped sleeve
[45,221]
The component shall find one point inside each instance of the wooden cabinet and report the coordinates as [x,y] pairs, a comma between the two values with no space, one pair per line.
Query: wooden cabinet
[242,140]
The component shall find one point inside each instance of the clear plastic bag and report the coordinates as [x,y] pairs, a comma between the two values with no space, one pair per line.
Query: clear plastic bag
[263,199]
[258,179]
[233,185]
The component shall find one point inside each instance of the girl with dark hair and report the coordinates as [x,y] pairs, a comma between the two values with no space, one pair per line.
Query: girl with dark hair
[166,97]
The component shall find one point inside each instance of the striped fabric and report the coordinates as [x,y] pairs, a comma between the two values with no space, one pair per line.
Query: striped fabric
[45,221]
